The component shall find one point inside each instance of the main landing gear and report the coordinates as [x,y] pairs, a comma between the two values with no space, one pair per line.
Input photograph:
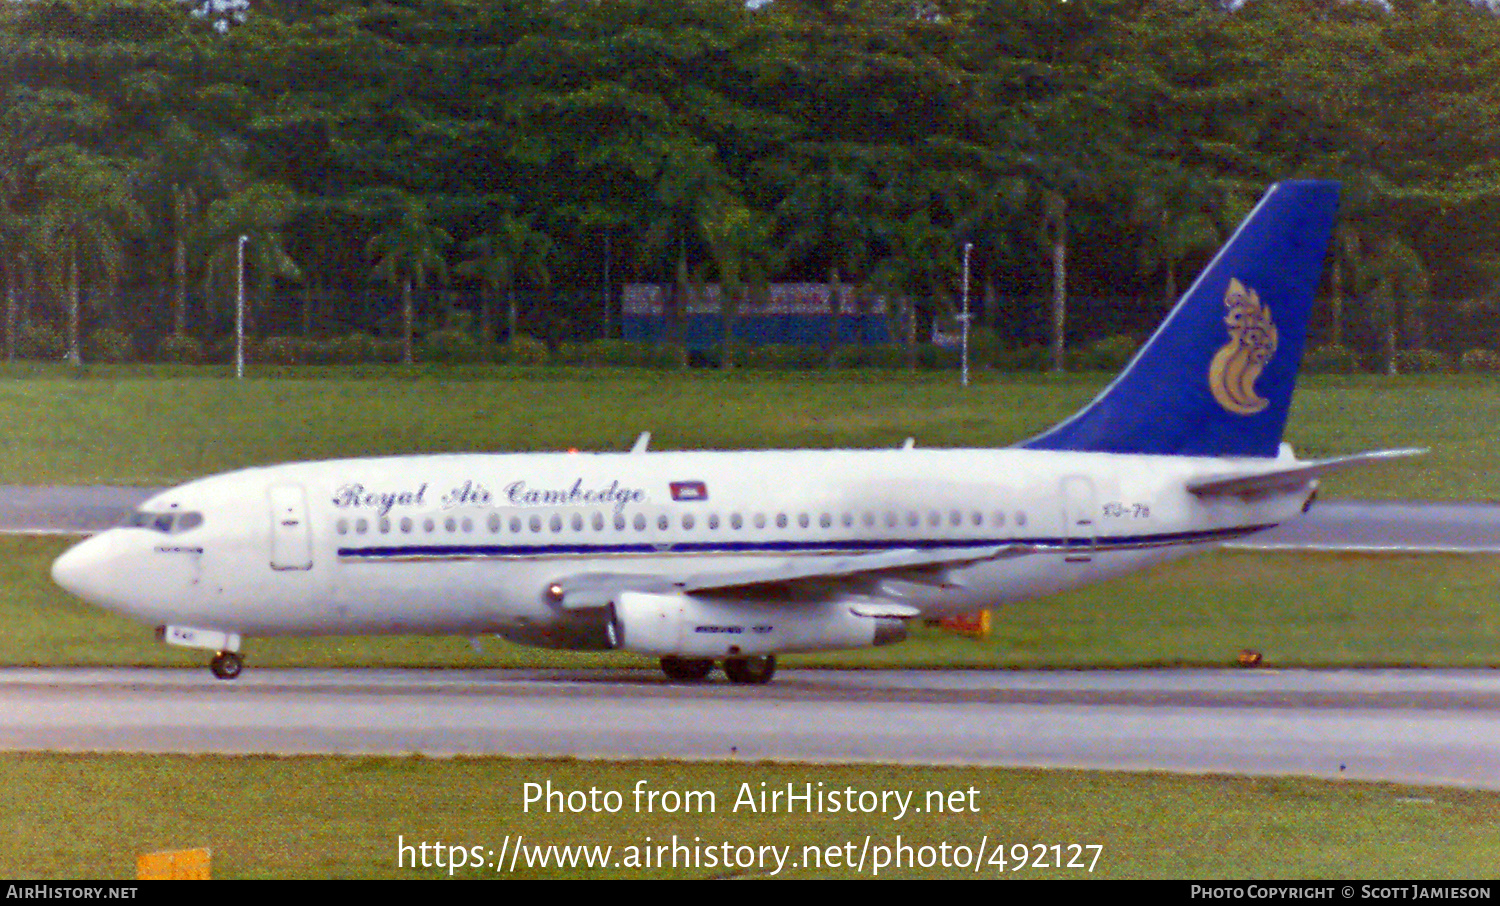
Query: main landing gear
[754,671]
[227,664]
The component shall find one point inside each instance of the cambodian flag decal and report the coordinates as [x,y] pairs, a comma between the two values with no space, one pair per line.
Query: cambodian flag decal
[689,490]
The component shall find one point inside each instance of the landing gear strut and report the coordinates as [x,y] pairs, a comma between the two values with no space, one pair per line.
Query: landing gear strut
[686,669]
[755,671]
[227,665]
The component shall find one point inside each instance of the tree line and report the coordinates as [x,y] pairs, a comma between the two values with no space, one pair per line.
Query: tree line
[502,167]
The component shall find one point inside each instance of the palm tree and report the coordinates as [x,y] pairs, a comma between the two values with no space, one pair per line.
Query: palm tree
[500,260]
[1174,227]
[185,168]
[14,254]
[407,253]
[914,270]
[1399,284]
[259,212]
[85,213]
[739,239]
[830,215]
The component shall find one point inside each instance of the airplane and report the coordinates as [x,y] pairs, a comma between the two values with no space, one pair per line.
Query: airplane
[698,558]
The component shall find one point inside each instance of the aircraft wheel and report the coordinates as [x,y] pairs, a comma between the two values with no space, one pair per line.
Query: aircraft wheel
[686,669]
[614,633]
[755,671]
[226,665]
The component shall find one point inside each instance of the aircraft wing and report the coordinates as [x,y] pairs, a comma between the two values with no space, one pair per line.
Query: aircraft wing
[928,567]
[1288,477]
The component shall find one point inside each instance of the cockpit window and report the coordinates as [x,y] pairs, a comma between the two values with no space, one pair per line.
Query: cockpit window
[170,523]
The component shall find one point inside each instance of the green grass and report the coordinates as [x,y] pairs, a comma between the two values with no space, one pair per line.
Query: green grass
[73,816]
[151,426]
[89,816]
[1316,610]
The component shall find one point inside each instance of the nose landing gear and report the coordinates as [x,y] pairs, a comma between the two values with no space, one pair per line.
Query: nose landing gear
[227,663]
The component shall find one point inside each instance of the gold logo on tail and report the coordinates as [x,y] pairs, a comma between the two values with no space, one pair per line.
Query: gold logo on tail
[1252,342]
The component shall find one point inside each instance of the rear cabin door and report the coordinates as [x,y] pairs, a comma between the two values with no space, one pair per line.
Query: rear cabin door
[291,536]
[1080,511]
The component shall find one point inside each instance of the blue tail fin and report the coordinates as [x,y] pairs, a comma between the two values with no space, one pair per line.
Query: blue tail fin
[1216,378]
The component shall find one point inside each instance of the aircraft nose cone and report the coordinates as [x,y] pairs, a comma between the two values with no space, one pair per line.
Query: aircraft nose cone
[82,570]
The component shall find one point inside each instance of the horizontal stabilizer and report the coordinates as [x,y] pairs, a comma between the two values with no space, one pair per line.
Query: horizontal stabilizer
[1290,477]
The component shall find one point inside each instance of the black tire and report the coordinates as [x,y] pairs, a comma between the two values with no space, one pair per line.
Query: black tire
[614,633]
[227,665]
[686,669]
[752,671]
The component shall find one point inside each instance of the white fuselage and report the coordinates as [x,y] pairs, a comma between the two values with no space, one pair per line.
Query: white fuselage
[468,544]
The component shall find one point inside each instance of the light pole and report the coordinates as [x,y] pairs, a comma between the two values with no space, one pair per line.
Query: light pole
[964,318]
[239,312]
[606,283]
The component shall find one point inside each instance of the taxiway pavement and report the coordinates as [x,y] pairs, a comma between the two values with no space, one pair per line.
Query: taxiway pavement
[1411,726]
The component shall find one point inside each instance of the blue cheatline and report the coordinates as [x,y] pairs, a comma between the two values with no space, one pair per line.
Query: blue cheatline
[1217,377]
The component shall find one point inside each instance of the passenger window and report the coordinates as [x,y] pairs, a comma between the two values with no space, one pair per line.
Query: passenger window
[687,521]
[577,522]
[361,526]
[640,522]
[713,520]
[760,520]
[781,520]
[555,523]
[342,526]
[619,522]
[406,524]
[735,521]
[598,522]
[515,525]
[662,522]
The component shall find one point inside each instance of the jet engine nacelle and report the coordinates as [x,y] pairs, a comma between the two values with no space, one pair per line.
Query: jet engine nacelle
[700,627]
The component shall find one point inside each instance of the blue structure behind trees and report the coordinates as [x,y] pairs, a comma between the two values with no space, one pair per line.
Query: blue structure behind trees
[790,314]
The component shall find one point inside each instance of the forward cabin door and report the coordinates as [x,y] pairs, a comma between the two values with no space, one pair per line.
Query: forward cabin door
[291,536]
[1080,512]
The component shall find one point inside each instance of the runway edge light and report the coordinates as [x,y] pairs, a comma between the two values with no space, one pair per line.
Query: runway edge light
[173,865]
